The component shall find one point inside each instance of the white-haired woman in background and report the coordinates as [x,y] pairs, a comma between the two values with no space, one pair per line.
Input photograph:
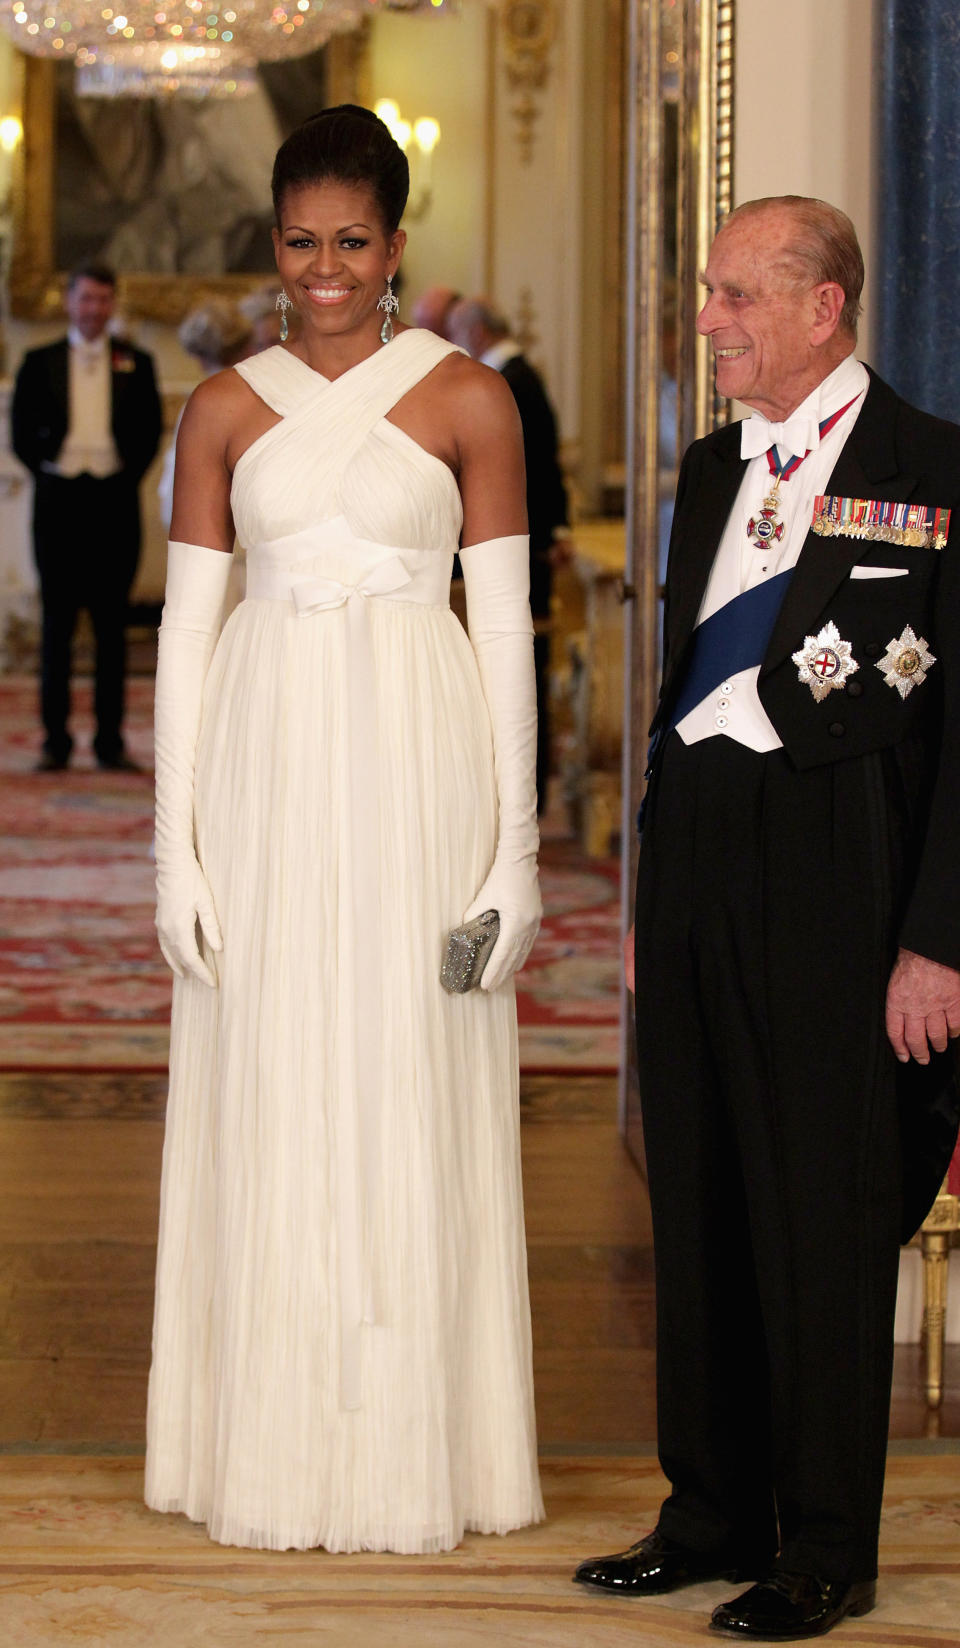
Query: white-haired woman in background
[217,334]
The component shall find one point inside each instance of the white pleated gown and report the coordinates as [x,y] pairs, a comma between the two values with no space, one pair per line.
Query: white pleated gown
[341,1352]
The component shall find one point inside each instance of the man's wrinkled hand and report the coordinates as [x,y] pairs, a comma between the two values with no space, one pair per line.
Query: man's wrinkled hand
[923,1006]
[629,962]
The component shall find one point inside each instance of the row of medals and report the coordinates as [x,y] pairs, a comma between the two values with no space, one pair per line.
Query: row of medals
[909,537]
[825,662]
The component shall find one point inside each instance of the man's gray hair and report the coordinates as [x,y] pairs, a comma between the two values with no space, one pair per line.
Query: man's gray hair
[826,247]
[479,312]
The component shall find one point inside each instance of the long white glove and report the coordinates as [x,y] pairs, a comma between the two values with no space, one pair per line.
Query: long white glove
[497,580]
[192,619]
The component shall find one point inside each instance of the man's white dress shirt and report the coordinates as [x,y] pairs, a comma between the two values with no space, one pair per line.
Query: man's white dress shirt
[499,353]
[89,446]
[734,709]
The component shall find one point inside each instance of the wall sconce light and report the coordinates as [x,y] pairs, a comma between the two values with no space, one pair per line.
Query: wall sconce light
[11,137]
[11,134]
[425,135]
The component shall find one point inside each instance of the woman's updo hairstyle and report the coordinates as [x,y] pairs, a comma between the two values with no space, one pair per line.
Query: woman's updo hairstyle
[347,144]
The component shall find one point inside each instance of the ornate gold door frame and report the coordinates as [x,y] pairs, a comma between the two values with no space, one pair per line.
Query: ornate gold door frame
[679,129]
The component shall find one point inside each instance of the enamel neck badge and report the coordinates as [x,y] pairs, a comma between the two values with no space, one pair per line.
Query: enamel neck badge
[825,662]
[766,528]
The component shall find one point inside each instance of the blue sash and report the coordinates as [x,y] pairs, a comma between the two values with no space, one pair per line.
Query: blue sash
[732,639]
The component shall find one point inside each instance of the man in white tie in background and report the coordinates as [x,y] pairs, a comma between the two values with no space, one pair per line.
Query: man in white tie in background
[475,325]
[86,420]
[797,943]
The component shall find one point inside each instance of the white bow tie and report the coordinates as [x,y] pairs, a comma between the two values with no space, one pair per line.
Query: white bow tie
[799,434]
[89,352]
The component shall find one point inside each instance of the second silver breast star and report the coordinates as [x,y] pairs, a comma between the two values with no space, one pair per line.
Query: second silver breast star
[906,662]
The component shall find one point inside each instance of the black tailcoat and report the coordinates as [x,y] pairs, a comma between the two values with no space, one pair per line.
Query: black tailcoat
[546,493]
[894,453]
[86,531]
[546,510]
[40,409]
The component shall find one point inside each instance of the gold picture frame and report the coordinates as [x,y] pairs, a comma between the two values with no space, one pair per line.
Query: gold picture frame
[690,76]
[36,286]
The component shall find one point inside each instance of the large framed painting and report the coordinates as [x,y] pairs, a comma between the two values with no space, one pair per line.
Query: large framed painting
[173,193]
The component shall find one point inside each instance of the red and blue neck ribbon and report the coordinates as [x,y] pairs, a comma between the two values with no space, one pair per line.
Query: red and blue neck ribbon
[783,471]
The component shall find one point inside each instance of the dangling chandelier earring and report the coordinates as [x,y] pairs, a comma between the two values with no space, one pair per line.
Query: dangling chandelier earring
[391,305]
[283,304]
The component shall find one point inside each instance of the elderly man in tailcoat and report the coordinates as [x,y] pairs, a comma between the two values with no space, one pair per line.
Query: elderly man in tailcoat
[797,938]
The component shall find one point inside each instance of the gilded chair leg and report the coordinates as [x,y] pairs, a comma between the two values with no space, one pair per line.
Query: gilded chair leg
[935,1247]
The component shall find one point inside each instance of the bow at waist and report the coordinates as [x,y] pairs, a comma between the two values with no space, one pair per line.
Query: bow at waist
[311,593]
[320,570]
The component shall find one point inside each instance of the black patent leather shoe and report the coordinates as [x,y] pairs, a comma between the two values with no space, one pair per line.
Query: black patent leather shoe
[117,763]
[653,1566]
[51,763]
[788,1607]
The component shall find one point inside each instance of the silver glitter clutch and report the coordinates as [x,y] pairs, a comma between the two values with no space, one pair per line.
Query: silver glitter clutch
[468,950]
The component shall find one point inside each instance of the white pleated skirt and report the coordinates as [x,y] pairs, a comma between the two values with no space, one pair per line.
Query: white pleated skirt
[250,1429]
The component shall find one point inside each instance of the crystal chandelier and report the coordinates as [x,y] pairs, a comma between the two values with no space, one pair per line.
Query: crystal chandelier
[148,48]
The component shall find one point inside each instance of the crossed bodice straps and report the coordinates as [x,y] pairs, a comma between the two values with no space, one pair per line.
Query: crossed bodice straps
[292,475]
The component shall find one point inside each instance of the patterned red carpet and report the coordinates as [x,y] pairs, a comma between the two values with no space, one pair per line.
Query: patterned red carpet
[82,983]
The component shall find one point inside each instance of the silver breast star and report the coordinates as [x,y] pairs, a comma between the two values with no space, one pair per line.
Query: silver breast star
[824,662]
[906,662]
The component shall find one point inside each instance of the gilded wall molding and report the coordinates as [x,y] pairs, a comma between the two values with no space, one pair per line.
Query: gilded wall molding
[35,292]
[705,197]
[525,321]
[528,29]
[613,318]
[687,75]
[724,80]
[716,182]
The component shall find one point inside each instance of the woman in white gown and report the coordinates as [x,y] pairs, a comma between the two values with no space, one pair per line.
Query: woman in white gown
[342,1338]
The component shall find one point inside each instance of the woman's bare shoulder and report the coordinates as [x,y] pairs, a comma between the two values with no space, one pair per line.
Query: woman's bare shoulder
[475,393]
[221,391]
[219,402]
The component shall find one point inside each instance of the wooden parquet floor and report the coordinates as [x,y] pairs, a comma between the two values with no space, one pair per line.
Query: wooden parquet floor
[83,1563]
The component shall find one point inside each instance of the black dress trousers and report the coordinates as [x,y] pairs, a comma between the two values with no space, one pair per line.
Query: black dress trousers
[87,539]
[767,909]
